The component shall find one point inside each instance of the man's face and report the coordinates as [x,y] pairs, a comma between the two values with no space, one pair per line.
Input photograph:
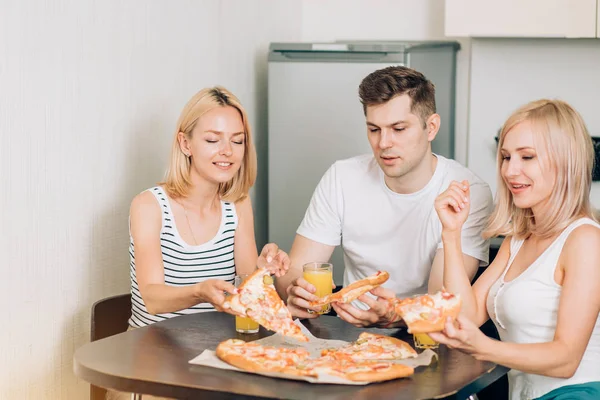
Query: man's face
[397,136]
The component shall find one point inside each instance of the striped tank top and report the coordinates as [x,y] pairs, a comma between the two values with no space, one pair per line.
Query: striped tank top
[185,264]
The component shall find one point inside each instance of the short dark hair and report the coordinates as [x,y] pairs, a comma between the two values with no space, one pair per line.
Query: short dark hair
[381,86]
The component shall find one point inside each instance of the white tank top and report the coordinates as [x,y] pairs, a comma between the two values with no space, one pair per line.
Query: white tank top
[525,310]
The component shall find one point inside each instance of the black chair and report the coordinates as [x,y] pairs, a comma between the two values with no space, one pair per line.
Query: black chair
[109,317]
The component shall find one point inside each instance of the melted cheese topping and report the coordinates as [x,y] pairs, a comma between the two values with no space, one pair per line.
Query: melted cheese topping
[427,307]
[369,347]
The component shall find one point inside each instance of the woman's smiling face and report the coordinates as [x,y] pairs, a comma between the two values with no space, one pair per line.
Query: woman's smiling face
[530,180]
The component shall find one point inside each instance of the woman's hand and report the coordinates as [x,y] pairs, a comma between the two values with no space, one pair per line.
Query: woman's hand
[462,335]
[275,260]
[452,206]
[214,291]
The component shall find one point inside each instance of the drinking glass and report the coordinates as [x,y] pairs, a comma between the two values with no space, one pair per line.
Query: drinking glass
[320,275]
[244,324]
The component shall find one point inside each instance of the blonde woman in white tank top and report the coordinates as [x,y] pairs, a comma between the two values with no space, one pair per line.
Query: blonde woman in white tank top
[543,289]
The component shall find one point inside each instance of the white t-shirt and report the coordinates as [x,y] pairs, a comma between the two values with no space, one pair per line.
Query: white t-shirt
[525,310]
[382,230]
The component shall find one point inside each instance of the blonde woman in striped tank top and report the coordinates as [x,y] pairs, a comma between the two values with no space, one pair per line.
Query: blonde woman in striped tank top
[543,289]
[194,232]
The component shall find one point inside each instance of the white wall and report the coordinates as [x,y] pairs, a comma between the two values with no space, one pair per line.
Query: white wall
[91,91]
[506,73]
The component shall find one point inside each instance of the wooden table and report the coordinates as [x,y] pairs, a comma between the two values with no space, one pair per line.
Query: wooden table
[154,360]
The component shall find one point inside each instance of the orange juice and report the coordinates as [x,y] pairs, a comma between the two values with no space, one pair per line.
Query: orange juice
[245,325]
[321,276]
[424,341]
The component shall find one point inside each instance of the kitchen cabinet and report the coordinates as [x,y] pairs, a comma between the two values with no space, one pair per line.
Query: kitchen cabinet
[522,18]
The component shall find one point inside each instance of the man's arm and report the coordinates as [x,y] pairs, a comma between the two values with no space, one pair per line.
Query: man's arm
[436,277]
[292,287]
[303,251]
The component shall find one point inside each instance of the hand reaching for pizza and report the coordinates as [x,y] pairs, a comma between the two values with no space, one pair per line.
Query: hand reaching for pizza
[380,311]
[275,260]
[452,206]
[463,335]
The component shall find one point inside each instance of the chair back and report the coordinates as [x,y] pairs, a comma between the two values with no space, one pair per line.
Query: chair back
[109,317]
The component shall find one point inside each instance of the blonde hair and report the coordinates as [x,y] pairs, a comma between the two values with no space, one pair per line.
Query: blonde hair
[566,147]
[177,182]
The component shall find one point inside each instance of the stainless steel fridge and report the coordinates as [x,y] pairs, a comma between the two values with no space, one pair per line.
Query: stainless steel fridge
[315,116]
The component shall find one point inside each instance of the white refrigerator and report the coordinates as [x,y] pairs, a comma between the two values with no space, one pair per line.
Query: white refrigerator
[315,116]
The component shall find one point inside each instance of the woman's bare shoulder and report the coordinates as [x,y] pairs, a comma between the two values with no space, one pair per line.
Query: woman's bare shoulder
[583,237]
[144,204]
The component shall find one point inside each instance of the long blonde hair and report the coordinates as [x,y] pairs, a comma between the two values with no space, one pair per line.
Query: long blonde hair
[565,146]
[177,182]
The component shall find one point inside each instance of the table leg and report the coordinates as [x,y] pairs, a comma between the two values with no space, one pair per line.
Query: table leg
[136,396]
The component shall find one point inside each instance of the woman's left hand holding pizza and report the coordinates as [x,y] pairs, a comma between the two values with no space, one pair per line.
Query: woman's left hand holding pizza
[275,260]
[462,335]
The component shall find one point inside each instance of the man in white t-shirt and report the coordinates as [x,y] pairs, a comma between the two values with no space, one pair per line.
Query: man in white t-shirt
[380,207]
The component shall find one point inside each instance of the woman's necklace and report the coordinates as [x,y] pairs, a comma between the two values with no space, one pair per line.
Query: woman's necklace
[188,222]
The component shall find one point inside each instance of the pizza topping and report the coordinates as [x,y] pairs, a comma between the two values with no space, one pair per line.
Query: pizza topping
[371,346]
[447,296]
[427,301]
[427,313]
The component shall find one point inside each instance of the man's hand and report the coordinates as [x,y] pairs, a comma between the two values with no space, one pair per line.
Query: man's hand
[380,313]
[299,294]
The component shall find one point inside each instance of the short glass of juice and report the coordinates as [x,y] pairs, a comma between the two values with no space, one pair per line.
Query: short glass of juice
[244,324]
[424,341]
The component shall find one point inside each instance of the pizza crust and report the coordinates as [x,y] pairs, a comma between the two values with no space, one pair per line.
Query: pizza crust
[354,290]
[394,371]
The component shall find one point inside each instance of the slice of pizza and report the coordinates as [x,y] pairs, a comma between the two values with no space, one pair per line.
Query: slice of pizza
[258,299]
[428,313]
[253,357]
[354,290]
[371,346]
[359,371]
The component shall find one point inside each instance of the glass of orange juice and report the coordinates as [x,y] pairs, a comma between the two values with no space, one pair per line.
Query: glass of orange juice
[321,276]
[424,341]
[244,324]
